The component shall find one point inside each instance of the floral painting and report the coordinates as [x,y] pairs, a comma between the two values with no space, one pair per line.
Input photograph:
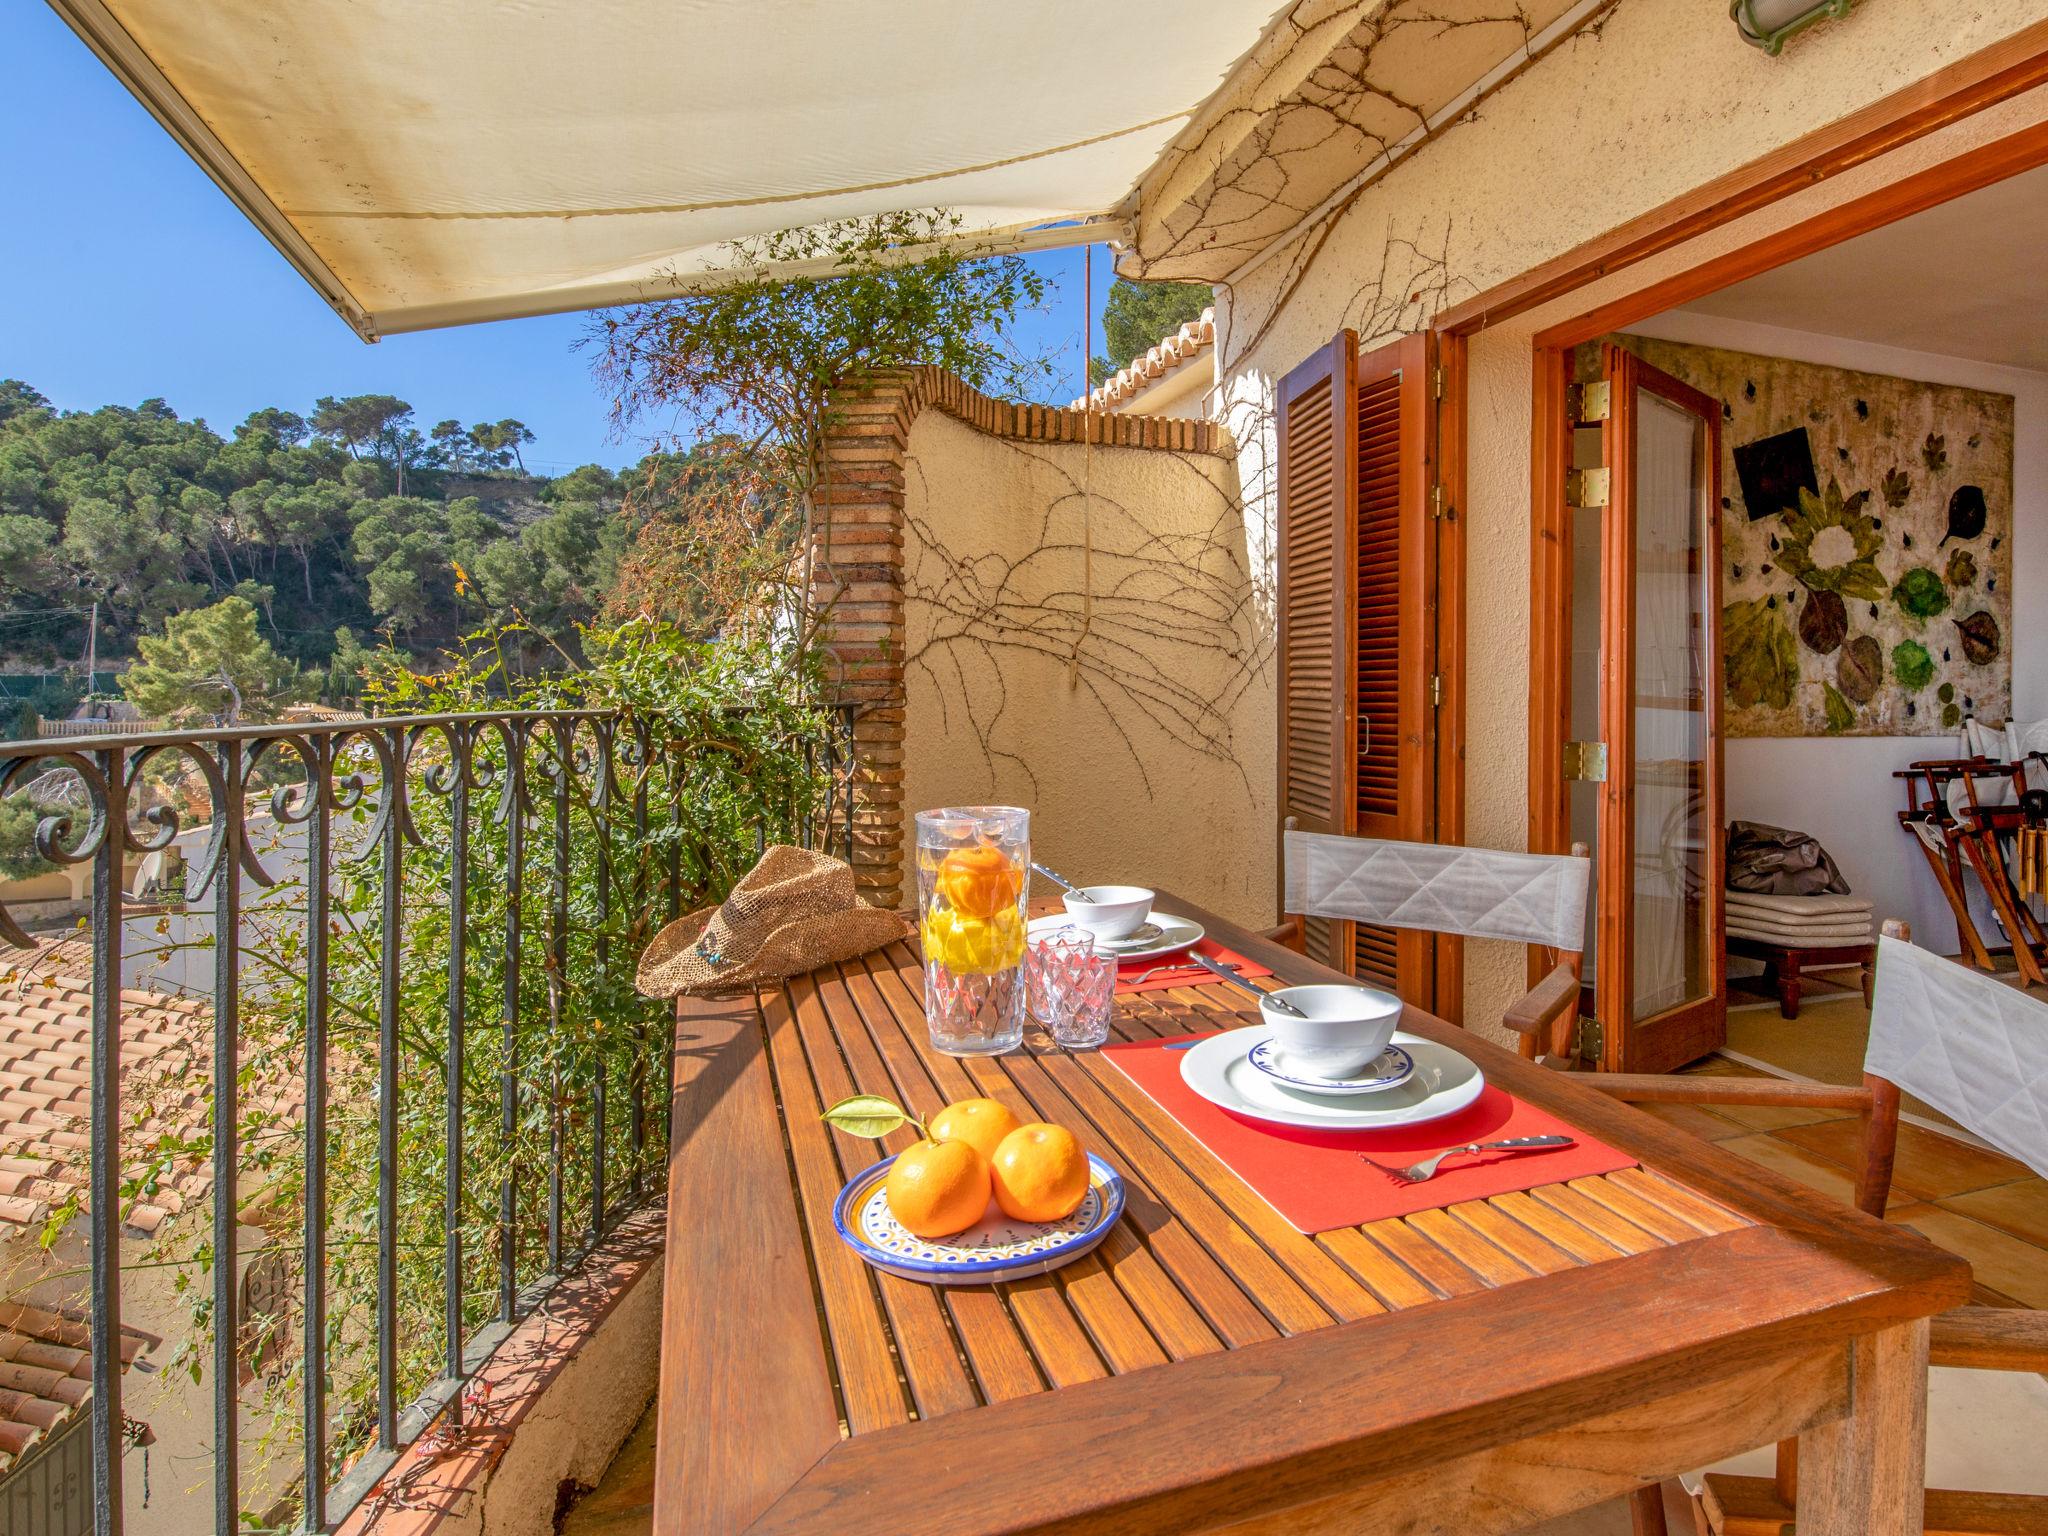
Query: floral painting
[1871,596]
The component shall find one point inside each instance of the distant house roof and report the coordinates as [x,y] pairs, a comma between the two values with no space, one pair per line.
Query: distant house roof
[46,1373]
[1168,356]
[45,1086]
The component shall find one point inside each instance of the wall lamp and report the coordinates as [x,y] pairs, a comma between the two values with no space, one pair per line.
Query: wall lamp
[1768,24]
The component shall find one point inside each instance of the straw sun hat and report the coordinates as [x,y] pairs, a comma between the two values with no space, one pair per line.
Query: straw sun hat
[792,912]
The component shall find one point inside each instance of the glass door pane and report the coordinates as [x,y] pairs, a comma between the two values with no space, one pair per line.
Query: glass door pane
[1674,821]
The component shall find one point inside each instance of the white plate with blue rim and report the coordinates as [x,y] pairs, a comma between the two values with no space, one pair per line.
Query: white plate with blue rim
[1219,1068]
[1390,1069]
[993,1249]
[1160,934]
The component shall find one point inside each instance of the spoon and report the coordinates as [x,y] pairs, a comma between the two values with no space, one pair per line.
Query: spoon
[1229,974]
[1064,884]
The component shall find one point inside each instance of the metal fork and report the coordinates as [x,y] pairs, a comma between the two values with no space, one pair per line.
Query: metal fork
[1177,965]
[1424,1171]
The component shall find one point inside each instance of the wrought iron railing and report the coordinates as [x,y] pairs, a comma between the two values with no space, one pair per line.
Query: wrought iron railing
[546,787]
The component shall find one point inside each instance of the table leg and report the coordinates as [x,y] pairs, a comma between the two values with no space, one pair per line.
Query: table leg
[1788,984]
[1865,1475]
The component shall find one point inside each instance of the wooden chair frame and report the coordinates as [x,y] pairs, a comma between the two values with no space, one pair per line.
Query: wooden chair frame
[1981,1338]
[1971,841]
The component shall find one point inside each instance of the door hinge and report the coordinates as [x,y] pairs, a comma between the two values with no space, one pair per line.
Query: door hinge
[1586,487]
[1436,381]
[1436,689]
[1439,503]
[1590,1043]
[1586,760]
[1591,402]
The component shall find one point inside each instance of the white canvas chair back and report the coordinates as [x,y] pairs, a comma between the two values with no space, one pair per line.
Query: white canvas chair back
[2022,740]
[1976,739]
[1526,898]
[1973,1047]
[1991,790]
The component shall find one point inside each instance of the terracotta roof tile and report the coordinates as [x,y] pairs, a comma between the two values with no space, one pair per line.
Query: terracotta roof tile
[1167,355]
[45,1089]
[46,1372]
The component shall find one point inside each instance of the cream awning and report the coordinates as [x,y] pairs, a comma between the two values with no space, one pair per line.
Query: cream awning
[434,162]
[431,162]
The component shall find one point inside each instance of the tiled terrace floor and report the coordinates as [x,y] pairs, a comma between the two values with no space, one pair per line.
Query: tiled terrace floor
[1985,1207]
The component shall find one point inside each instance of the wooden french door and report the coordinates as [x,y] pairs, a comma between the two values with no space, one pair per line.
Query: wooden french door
[1359,688]
[1660,966]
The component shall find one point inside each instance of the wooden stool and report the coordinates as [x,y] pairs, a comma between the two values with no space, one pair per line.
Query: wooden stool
[1782,963]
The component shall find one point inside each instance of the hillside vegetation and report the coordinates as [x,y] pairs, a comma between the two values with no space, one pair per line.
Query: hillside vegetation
[340,526]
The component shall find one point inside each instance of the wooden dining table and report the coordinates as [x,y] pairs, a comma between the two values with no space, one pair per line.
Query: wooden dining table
[1469,1369]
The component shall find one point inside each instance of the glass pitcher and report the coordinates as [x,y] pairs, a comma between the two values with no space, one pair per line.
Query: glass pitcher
[973,872]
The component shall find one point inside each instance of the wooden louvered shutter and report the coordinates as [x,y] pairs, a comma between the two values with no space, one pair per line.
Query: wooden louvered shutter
[1318,440]
[1395,645]
[1357,623]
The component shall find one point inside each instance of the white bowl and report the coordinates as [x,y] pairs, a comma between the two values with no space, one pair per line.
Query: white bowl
[1115,912]
[1346,1027]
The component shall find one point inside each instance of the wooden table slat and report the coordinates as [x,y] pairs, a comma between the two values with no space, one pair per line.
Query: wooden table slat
[1105,1312]
[1293,1282]
[1120,1337]
[1436,1267]
[928,1354]
[1392,1282]
[1649,1215]
[1539,1253]
[994,1346]
[1470,1247]
[1204,1284]
[1582,1243]
[1173,1319]
[1597,1218]
[1104,1309]
[866,1366]
[1707,1215]
[1057,1338]
[726,1157]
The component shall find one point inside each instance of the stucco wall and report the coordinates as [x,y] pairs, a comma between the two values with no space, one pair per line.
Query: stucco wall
[1151,763]
[1657,98]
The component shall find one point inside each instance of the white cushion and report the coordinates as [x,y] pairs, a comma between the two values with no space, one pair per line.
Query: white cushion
[1801,938]
[1798,907]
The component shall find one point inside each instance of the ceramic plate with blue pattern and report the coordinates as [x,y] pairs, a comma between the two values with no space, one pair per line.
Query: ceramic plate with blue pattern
[996,1248]
[1391,1068]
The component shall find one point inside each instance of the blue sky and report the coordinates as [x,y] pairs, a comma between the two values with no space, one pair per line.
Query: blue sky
[124,273]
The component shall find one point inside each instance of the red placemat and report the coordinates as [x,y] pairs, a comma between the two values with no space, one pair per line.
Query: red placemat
[1315,1179]
[1186,975]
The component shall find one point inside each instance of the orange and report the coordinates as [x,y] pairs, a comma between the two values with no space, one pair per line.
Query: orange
[980,881]
[937,1188]
[1040,1173]
[983,1122]
[973,946]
